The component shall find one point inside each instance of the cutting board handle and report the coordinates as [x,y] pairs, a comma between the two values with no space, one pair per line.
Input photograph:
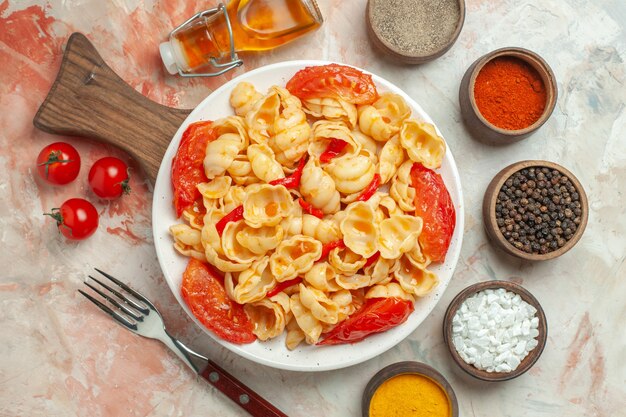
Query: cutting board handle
[89,99]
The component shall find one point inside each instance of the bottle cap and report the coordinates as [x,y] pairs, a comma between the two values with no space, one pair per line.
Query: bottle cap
[168,57]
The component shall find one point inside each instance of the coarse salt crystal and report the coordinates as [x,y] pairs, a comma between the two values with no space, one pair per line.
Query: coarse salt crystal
[494,330]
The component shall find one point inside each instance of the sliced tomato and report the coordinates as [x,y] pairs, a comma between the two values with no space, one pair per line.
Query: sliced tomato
[333,80]
[434,205]
[187,169]
[377,315]
[203,291]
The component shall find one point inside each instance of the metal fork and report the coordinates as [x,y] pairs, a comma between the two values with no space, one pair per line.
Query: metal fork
[136,313]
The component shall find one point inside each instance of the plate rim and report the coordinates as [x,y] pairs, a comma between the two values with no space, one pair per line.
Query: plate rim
[165,169]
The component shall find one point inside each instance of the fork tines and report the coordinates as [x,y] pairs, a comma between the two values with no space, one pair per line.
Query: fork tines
[130,306]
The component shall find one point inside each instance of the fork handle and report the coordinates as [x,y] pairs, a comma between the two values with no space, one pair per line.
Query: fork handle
[243,396]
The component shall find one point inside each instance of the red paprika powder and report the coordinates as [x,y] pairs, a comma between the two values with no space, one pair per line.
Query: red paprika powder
[510,93]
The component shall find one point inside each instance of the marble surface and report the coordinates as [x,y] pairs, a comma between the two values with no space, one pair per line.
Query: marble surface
[61,357]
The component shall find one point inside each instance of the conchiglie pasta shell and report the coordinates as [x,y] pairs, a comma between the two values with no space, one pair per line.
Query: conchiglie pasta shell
[260,240]
[261,118]
[422,143]
[323,308]
[352,282]
[334,109]
[392,107]
[294,256]
[295,335]
[322,276]
[324,131]
[359,230]
[398,235]
[417,258]
[415,280]
[243,98]
[401,189]
[381,271]
[241,170]
[215,189]
[310,326]
[263,163]
[253,283]
[345,261]
[372,123]
[231,247]
[268,318]
[324,230]
[391,157]
[318,188]
[266,205]
[220,153]
[351,174]
[391,290]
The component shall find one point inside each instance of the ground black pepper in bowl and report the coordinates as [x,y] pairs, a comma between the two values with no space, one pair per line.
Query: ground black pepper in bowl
[538,210]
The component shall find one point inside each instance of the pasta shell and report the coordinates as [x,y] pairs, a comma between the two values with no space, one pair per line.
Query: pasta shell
[266,205]
[318,188]
[415,280]
[353,282]
[295,335]
[261,118]
[215,189]
[243,98]
[323,308]
[263,163]
[398,235]
[334,109]
[324,131]
[392,107]
[310,326]
[220,153]
[391,290]
[351,174]
[401,189]
[365,141]
[391,157]
[417,258]
[252,284]
[324,230]
[359,230]
[241,170]
[345,261]
[291,129]
[294,256]
[268,318]
[322,276]
[422,143]
[292,224]
[381,271]
[260,240]
[231,247]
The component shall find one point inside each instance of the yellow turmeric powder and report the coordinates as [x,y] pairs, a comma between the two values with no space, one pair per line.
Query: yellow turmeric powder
[410,395]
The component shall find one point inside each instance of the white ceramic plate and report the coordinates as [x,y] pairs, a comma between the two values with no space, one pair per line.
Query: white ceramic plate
[274,353]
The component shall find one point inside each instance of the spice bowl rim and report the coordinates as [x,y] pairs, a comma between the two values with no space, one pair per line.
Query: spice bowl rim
[489,210]
[481,129]
[404,368]
[526,363]
[408,58]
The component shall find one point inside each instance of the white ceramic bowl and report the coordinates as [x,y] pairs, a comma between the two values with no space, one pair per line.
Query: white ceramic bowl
[274,353]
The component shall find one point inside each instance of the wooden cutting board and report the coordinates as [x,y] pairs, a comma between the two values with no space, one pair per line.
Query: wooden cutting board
[89,99]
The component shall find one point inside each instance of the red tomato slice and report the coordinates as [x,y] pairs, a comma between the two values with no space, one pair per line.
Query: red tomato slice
[333,80]
[377,315]
[434,205]
[204,293]
[187,169]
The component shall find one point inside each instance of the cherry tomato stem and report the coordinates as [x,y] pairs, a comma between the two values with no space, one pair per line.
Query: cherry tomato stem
[58,163]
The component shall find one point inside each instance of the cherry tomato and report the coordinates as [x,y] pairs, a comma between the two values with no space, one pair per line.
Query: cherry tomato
[77,219]
[58,163]
[108,178]
[203,291]
[187,168]
[377,315]
[434,205]
[333,80]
